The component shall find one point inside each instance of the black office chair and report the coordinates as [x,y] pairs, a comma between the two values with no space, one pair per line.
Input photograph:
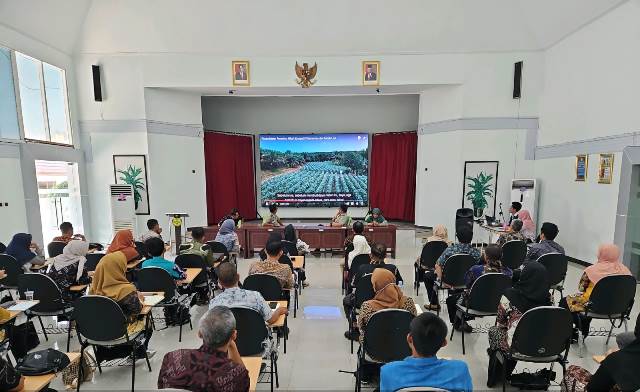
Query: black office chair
[364,292]
[533,343]
[611,299]
[345,270]
[284,259]
[11,267]
[267,285]
[290,248]
[201,281]
[384,340]
[556,265]
[431,251]
[51,303]
[514,253]
[55,248]
[454,271]
[254,339]
[483,299]
[100,322]
[154,279]
[219,248]
[356,263]
[92,260]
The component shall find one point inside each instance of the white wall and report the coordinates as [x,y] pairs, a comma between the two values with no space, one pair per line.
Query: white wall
[14,215]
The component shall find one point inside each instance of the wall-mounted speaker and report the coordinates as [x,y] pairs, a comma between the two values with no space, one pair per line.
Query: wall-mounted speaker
[97,85]
[517,80]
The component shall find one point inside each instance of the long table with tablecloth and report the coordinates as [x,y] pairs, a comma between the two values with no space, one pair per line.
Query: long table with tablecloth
[253,236]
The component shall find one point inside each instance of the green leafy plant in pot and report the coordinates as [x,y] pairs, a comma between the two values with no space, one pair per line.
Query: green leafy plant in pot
[479,190]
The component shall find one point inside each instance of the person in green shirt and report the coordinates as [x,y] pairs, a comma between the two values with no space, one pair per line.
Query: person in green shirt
[272,219]
[341,219]
[375,218]
[195,247]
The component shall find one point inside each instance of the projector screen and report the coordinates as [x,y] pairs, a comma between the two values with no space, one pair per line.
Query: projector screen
[314,170]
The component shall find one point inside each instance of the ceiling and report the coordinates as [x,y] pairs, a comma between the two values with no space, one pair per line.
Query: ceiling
[288,27]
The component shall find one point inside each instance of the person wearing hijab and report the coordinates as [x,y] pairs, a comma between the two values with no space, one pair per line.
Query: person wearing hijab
[110,280]
[440,233]
[528,226]
[608,264]
[123,242]
[375,218]
[227,236]
[360,245]
[68,269]
[388,295]
[26,252]
[619,371]
[531,291]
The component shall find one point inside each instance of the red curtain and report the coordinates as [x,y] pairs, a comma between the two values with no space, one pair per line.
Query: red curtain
[392,177]
[230,172]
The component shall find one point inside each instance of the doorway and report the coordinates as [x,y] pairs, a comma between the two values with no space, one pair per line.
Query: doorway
[59,197]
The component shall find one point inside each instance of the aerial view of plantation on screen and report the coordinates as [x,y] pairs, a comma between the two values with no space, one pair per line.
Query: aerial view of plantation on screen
[314,170]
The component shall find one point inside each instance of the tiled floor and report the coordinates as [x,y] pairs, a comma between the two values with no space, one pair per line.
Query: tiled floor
[316,348]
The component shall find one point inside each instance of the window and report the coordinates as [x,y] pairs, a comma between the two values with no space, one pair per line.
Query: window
[9,128]
[43,100]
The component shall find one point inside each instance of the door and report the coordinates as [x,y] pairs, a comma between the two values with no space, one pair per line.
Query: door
[59,197]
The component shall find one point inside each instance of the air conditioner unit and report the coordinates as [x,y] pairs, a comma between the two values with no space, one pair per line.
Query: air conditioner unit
[526,192]
[123,209]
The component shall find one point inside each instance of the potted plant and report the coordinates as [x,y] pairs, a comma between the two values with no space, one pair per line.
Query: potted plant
[479,190]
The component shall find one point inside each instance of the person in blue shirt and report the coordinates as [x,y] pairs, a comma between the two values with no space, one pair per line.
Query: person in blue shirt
[427,335]
[155,248]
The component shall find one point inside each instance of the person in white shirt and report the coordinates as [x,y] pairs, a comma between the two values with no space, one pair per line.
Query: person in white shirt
[154,230]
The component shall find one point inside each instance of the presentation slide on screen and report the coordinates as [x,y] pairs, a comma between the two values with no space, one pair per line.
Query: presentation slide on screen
[314,170]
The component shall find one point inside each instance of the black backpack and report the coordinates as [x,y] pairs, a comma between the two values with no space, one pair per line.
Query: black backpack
[42,362]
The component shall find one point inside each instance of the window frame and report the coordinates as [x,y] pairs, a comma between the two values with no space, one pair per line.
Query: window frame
[43,101]
[16,92]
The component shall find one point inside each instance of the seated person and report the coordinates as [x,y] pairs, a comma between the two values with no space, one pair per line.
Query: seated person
[360,243]
[272,220]
[515,207]
[228,237]
[110,280]
[68,269]
[440,234]
[235,215]
[341,219]
[153,232]
[491,264]
[375,218]
[215,366]
[387,296]
[123,242]
[427,334]
[619,371]
[235,297]
[376,260]
[66,229]
[608,263]
[155,247]
[528,225]
[276,236]
[512,234]
[195,247]
[531,291]
[465,236]
[272,266]
[10,379]
[546,245]
[26,252]
[290,236]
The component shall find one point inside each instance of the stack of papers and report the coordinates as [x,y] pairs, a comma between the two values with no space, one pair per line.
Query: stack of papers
[22,305]
[152,300]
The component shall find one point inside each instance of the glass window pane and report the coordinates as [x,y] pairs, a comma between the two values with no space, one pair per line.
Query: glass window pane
[9,128]
[55,90]
[31,97]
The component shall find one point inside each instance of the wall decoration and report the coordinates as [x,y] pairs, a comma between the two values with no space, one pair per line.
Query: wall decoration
[370,73]
[306,74]
[605,169]
[480,183]
[582,166]
[132,170]
[240,73]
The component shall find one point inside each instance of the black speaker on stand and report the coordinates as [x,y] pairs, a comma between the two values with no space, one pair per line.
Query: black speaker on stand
[464,217]
[97,83]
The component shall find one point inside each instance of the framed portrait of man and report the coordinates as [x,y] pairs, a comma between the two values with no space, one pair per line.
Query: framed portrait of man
[240,73]
[370,73]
